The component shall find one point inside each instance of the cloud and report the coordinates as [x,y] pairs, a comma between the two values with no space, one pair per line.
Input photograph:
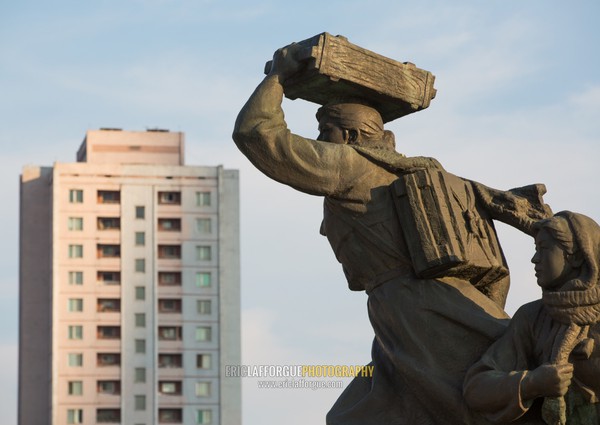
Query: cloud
[263,346]
[260,345]
[587,100]
[173,83]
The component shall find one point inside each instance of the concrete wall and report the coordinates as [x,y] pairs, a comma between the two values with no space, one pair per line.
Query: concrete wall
[35,299]
[132,196]
[229,294]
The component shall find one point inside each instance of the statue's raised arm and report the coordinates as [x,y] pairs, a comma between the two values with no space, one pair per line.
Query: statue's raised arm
[324,166]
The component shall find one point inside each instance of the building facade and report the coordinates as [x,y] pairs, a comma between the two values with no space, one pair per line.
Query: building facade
[129,286]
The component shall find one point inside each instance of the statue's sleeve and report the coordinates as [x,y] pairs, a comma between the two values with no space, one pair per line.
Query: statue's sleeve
[493,385]
[520,207]
[311,166]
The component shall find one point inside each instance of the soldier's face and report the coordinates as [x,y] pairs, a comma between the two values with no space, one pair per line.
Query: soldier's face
[551,266]
[330,132]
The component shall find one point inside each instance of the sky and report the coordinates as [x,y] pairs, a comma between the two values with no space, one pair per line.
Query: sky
[518,102]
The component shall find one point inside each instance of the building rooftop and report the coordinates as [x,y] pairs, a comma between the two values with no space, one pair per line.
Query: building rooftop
[115,146]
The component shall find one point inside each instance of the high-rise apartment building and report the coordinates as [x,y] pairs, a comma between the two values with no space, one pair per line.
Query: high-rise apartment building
[129,286]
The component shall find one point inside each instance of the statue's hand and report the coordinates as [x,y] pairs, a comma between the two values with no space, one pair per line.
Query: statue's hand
[547,380]
[285,62]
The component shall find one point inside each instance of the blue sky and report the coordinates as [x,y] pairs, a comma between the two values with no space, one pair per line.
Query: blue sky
[518,102]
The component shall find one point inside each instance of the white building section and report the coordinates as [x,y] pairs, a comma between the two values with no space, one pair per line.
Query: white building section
[130,286]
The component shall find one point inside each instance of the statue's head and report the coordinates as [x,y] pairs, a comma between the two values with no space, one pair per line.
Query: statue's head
[566,252]
[567,267]
[353,124]
[555,253]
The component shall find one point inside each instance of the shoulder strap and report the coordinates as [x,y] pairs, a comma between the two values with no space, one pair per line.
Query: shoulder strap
[396,162]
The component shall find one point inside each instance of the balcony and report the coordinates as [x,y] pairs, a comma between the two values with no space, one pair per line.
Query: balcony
[169,224]
[109,223]
[108,251]
[169,198]
[109,197]
[169,252]
[108,305]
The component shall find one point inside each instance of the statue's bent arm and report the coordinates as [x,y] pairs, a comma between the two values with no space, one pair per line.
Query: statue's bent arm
[311,166]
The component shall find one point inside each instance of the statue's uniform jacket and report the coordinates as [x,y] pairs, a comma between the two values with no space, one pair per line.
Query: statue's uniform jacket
[493,384]
[428,332]
[353,186]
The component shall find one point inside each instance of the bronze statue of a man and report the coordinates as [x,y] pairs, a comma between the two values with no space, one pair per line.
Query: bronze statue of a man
[428,330]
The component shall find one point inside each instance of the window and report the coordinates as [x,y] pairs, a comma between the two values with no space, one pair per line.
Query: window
[140,212]
[109,305]
[203,306]
[108,359]
[204,417]
[140,402]
[75,196]
[167,305]
[169,224]
[108,416]
[202,389]
[140,238]
[170,360]
[75,359]
[169,278]
[203,199]
[75,251]
[75,223]
[108,250]
[109,278]
[140,265]
[169,198]
[75,278]
[109,197]
[140,320]
[75,304]
[169,333]
[167,416]
[140,346]
[169,251]
[109,332]
[169,387]
[140,374]
[109,223]
[140,293]
[203,253]
[75,416]
[75,387]
[204,225]
[109,387]
[203,279]
[203,361]
[75,332]
[203,333]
